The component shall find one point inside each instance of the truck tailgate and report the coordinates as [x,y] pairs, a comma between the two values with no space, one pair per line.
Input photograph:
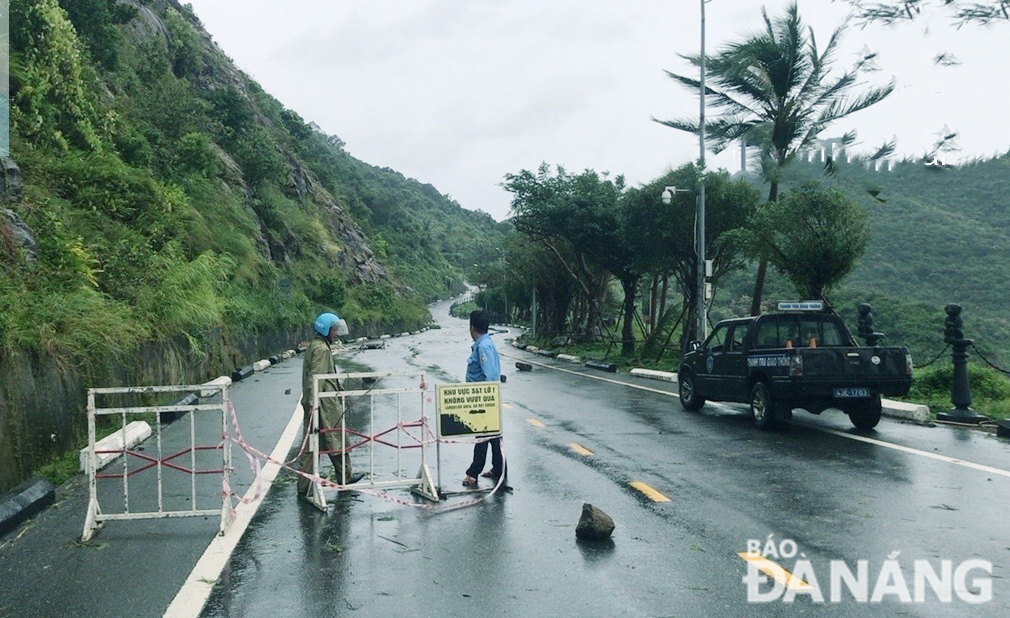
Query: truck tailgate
[883,369]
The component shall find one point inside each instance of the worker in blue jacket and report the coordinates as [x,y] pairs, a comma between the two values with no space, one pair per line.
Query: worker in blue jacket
[483,366]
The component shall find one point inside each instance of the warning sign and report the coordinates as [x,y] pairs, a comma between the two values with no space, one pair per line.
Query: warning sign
[469,409]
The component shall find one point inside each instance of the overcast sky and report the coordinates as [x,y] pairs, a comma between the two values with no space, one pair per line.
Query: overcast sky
[457,93]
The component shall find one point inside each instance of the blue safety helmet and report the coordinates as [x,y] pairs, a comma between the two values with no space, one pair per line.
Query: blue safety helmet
[325,321]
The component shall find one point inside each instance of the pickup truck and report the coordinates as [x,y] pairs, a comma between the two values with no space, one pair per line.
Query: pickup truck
[780,361]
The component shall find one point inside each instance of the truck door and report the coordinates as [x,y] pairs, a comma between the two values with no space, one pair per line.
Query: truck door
[712,352]
[731,366]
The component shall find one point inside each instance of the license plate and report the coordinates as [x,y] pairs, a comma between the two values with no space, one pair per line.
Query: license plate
[852,392]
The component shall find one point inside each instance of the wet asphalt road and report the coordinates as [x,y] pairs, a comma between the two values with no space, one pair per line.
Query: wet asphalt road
[837,498]
[516,554]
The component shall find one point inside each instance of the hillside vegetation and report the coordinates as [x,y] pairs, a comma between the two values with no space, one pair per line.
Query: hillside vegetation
[939,236]
[165,220]
[166,193]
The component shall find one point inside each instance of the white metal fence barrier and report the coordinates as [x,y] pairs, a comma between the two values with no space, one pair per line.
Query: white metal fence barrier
[413,434]
[149,508]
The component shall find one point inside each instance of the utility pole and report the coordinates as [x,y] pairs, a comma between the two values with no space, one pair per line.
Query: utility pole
[702,317]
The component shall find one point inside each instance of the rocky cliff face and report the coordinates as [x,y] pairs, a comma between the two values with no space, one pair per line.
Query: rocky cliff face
[15,235]
[219,72]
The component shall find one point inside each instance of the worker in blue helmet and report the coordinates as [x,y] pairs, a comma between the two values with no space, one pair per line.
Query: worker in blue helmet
[318,360]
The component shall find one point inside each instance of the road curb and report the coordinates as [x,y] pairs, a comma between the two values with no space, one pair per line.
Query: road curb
[1003,428]
[653,374]
[219,381]
[602,365]
[907,411]
[135,433]
[24,501]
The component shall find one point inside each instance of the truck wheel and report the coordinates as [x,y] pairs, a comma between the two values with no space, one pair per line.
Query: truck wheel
[866,415]
[689,397]
[761,406]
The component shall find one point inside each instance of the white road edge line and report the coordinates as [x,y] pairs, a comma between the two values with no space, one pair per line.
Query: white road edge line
[189,601]
[586,375]
[908,449]
[835,432]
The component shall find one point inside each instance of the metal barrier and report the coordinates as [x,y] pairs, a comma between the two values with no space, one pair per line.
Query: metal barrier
[422,484]
[96,518]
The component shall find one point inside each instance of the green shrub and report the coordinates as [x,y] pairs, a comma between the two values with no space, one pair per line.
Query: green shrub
[183,296]
[463,310]
[133,148]
[938,379]
[990,389]
[101,182]
[183,45]
[51,106]
[195,155]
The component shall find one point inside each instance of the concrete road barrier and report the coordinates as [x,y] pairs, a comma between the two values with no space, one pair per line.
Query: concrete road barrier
[136,432]
[1003,428]
[601,365]
[909,411]
[24,501]
[532,348]
[221,381]
[188,400]
[241,373]
[260,365]
[569,358]
[653,374]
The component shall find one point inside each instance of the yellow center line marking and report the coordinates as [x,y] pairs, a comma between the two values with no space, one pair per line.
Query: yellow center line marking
[581,450]
[775,571]
[506,405]
[535,422]
[651,493]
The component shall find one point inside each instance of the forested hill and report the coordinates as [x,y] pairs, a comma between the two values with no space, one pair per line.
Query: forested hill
[939,235]
[162,192]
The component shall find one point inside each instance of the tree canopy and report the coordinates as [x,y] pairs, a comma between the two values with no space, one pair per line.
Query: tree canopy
[960,13]
[775,90]
[583,211]
[814,236]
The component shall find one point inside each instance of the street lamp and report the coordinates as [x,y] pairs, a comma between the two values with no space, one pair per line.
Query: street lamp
[702,264]
[704,268]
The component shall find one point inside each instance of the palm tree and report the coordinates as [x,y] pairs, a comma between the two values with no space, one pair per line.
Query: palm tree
[773,89]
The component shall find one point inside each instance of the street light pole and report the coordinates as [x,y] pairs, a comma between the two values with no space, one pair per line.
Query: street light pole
[702,317]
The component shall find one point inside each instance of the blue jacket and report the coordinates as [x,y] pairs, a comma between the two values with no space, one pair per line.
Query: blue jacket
[482,366]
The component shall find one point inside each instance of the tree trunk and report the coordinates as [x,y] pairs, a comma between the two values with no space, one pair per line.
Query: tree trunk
[653,310]
[688,330]
[662,298]
[627,335]
[759,281]
[759,284]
